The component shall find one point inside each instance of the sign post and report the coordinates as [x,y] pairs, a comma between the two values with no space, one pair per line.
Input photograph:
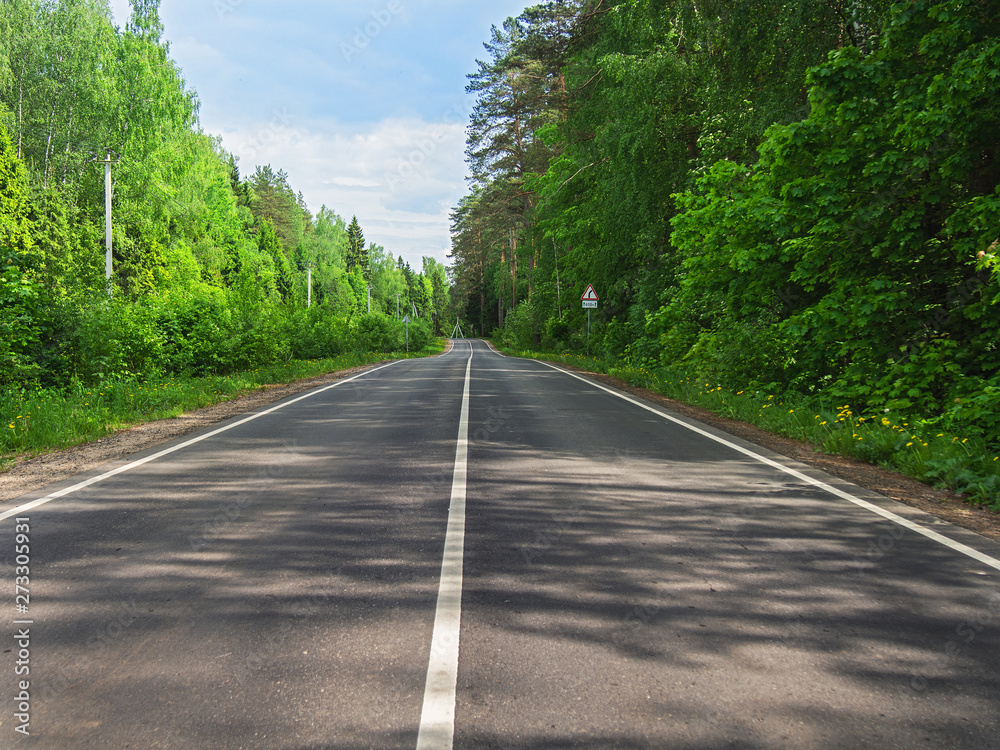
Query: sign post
[590,299]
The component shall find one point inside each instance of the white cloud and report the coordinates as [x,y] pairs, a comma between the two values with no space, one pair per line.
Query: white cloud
[378,133]
[400,177]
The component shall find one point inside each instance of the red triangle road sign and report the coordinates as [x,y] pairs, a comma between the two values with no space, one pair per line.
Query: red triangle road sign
[590,295]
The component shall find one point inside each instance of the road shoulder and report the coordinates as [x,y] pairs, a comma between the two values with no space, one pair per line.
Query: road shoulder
[944,504]
[30,473]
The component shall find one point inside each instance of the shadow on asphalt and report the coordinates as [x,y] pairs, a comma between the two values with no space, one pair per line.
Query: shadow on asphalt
[625,592]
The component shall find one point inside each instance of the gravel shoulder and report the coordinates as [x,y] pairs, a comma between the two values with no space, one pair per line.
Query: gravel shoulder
[33,473]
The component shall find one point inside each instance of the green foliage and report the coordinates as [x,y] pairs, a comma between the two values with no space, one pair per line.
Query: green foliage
[21,296]
[15,229]
[115,339]
[377,332]
[270,247]
[523,327]
[357,252]
[420,335]
[21,311]
[800,197]
[855,233]
[210,269]
[274,202]
[315,334]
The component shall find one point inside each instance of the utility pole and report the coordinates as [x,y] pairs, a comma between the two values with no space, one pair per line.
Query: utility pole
[397,305]
[309,287]
[369,298]
[107,221]
[558,288]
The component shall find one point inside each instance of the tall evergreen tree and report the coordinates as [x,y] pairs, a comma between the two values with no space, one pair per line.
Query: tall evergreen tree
[20,295]
[270,246]
[357,252]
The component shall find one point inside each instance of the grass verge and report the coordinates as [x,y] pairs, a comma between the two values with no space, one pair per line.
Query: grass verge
[44,419]
[969,465]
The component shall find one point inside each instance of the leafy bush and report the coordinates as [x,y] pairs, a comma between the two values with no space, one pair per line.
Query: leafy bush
[116,338]
[522,327]
[376,332]
[317,333]
[420,335]
[21,313]
[198,335]
[741,355]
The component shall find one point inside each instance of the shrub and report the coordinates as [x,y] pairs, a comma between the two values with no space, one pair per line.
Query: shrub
[377,332]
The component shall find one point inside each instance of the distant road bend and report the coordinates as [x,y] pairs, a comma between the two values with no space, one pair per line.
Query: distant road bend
[475,551]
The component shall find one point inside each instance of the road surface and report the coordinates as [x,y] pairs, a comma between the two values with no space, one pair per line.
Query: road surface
[489,552]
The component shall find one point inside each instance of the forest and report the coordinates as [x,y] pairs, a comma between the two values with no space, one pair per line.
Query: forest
[210,267]
[789,209]
[786,202]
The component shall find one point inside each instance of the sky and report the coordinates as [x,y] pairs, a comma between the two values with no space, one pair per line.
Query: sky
[361,102]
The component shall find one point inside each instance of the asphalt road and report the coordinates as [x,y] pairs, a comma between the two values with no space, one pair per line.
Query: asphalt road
[622,581]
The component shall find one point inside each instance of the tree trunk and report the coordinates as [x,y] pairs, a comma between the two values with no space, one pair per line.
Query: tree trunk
[20,99]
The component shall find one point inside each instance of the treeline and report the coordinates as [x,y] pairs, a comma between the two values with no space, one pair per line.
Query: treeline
[210,267]
[794,196]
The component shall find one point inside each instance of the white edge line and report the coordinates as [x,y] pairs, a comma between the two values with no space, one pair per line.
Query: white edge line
[887,514]
[135,464]
[437,717]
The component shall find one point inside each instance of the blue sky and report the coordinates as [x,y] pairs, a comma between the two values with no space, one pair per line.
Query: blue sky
[363,103]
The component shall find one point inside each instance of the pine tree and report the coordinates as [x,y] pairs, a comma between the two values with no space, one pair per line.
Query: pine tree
[270,245]
[14,228]
[357,252]
[20,299]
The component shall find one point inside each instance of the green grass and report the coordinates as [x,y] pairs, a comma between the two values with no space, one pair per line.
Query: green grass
[965,463]
[38,420]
